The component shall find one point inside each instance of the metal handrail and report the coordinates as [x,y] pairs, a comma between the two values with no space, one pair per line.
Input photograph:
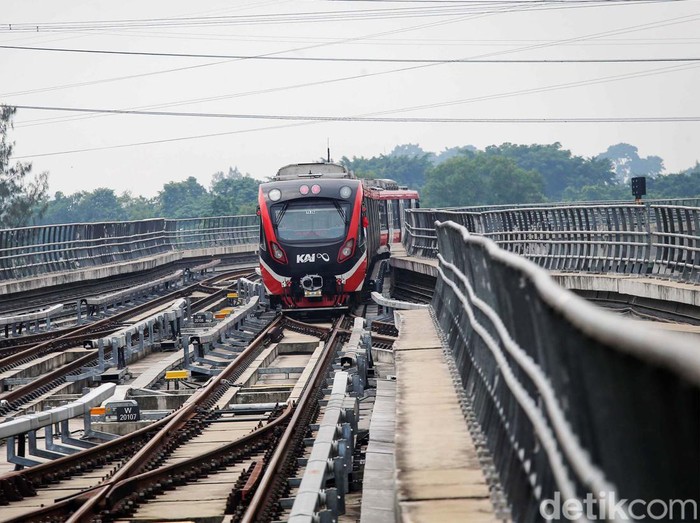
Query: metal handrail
[28,252]
[657,238]
[569,398]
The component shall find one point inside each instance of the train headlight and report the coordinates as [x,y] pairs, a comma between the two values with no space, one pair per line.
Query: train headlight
[274,194]
[345,192]
[315,188]
[304,189]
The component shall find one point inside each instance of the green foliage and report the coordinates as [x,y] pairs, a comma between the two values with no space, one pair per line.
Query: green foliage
[233,193]
[627,162]
[685,184]
[481,179]
[451,152]
[559,168]
[406,170]
[457,176]
[590,193]
[21,195]
[186,199]
[230,194]
[138,207]
[100,205]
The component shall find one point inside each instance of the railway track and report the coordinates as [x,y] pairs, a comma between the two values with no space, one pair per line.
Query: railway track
[12,345]
[121,478]
[80,334]
[233,462]
[14,399]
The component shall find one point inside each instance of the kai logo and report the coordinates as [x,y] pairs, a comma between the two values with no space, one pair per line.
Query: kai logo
[311,257]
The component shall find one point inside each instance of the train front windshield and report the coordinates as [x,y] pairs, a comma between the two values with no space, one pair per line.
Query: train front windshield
[311,220]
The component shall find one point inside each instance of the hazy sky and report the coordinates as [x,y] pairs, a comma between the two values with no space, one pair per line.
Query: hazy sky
[566,30]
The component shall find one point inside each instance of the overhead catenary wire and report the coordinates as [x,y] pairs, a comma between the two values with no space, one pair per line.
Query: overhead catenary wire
[385,119]
[625,30]
[297,124]
[536,45]
[318,16]
[492,96]
[360,59]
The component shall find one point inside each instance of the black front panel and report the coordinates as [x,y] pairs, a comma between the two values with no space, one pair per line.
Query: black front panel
[311,228]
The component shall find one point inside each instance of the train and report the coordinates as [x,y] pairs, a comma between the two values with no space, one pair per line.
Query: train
[321,232]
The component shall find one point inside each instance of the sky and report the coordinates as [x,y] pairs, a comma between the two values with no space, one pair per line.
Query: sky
[282,79]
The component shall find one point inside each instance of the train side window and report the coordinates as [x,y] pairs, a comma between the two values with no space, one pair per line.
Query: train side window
[382,215]
[396,214]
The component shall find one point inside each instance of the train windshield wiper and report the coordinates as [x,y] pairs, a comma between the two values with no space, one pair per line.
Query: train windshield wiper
[280,213]
[341,211]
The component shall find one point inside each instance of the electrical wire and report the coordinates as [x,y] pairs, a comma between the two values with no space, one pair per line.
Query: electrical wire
[363,59]
[317,16]
[308,118]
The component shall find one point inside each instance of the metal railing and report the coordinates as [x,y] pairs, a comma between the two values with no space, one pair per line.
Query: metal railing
[654,238]
[31,251]
[570,399]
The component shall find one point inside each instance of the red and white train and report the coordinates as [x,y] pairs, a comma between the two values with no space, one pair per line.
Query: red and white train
[321,229]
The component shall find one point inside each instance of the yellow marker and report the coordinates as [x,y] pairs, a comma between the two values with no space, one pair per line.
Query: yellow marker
[97,411]
[232,295]
[176,375]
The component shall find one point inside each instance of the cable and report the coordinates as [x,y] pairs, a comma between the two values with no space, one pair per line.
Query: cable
[307,118]
[305,48]
[314,16]
[634,28]
[363,59]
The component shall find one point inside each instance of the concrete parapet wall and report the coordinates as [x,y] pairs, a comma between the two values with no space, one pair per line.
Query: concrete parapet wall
[221,251]
[117,269]
[420,265]
[651,288]
[92,273]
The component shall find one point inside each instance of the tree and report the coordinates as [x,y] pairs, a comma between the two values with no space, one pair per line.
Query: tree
[411,150]
[559,168]
[233,193]
[481,179]
[685,184]
[404,169]
[627,162]
[452,152]
[591,193]
[21,195]
[100,205]
[186,199]
[138,207]
[61,209]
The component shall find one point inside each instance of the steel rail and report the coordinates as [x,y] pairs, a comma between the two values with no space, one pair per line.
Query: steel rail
[50,346]
[25,480]
[20,394]
[139,486]
[169,432]
[264,494]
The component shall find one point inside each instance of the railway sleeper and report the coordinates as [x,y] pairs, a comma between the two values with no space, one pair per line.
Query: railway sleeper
[10,492]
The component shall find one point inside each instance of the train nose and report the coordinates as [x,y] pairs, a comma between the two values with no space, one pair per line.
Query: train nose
[312,282]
